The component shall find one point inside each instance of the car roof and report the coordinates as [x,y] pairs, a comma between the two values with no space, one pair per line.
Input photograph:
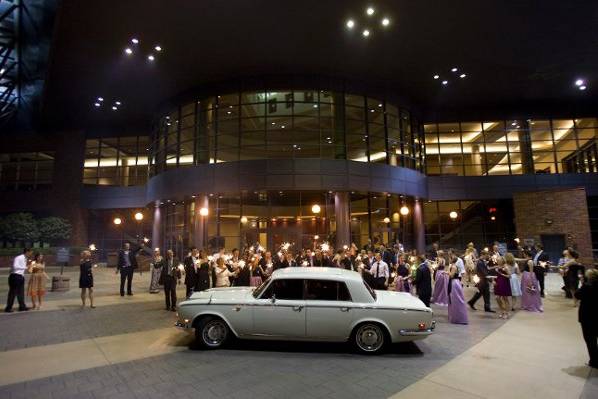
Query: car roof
[317,273]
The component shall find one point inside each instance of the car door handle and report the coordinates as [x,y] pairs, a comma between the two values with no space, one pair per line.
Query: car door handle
[297,308]
[237,308]
[344,309]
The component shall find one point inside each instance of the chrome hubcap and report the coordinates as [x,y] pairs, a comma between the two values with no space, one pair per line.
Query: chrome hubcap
[214,333]
[370,338]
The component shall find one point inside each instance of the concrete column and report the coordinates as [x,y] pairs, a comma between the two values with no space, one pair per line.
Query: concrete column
[200,223]
[157,227]
[342,215]
[418,227]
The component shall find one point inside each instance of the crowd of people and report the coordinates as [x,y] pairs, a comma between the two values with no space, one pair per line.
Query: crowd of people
[436,277]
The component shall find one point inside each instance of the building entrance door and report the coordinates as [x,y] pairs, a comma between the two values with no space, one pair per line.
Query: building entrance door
[553,246]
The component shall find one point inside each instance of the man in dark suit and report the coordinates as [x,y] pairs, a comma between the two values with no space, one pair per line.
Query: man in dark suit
[483,285]
[127,263]
[192,266]
[588,307]
[540,260]
[169,277]
[423,282]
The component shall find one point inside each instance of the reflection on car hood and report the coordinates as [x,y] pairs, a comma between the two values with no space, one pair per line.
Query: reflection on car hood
[223,294]
[399,300]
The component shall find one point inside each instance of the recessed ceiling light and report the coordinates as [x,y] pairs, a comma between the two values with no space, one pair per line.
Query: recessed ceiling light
[582,87]
[514,124]
[370,11]
[128,51]
[134,41]
[462,75]
[385,22]
[117,102]
[283,126]
[579,82]
[350,24]
[454,70]
[158,48]
[365,33]
[97,104]
[380,105]
[228,112]
[151,57]
[100,99]
[315,105]
[445,82]
[114,107]
[436,76]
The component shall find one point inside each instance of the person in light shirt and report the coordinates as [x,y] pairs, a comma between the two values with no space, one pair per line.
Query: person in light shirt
[380,273]
[223,274]
[16,281]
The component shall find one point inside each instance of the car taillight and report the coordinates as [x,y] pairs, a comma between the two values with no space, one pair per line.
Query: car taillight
[422,326]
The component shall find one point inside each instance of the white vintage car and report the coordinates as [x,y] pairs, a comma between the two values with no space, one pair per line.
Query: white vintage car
[307,304]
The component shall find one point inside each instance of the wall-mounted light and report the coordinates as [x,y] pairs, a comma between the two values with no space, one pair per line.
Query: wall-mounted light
[404,210]
[204,211]
[117,221]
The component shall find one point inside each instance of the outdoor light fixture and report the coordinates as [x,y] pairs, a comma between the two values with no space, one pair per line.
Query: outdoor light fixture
[128,51]
[350,24]
[370,11]
[203,211]
[139,216]
[387,220]
[404,210]
[114,107]
[582,87]
[151,57]
[454,69]
[579,82]
[117,102]
[134,41]
[436,77]
[462,75]
[97,104]
[243,219]
[385,22]
[117,221]
[315,208]
[365,33]
[100,99]
[158,48]
[453,215]
[445,82]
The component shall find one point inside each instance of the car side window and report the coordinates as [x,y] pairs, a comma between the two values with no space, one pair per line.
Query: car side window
[327,290]
[285,289]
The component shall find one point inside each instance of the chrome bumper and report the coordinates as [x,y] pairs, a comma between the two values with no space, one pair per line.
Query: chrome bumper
[182,325]
[413,332]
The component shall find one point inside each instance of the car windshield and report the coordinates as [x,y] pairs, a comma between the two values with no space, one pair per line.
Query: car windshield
[370,290]
[258,291]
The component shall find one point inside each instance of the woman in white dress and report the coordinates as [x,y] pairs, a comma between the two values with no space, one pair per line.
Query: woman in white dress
[514,279]
[156,266]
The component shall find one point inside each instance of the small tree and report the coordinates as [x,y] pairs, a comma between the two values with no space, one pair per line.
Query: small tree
[20,227]
[52,229]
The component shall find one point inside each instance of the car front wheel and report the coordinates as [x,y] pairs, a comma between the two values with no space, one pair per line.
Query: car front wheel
[212,332]
[369,338]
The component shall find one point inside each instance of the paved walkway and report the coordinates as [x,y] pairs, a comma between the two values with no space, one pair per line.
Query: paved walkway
[126,348]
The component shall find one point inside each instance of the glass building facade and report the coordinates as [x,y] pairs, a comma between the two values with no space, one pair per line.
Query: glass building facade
[287,124]
[511,147]
[26,171]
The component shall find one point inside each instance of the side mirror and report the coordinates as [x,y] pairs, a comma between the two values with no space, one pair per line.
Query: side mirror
[273,298]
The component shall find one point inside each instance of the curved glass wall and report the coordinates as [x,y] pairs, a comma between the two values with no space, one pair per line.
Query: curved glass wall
[286,124]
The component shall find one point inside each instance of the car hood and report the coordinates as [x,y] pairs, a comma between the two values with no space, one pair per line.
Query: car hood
[399,300]
[223,294]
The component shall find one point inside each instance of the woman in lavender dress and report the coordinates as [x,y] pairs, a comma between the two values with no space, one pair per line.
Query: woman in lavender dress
[502,289]
[440,295]
[457,308]
[530,289]
[403,274]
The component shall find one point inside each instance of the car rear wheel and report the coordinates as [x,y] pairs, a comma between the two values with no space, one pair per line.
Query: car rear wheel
[369,338]
[212,332]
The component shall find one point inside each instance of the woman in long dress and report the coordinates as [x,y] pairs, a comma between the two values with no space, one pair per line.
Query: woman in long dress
[530,288]
[440,295]
[573,271]
[457,307]
[86,278]
[36,288]
[256,272]
[514,279]
[156,265]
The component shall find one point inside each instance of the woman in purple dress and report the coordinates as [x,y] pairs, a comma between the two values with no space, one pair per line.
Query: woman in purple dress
[441,282]
[403,274]
[530,289]
[502,289]
[457,308]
